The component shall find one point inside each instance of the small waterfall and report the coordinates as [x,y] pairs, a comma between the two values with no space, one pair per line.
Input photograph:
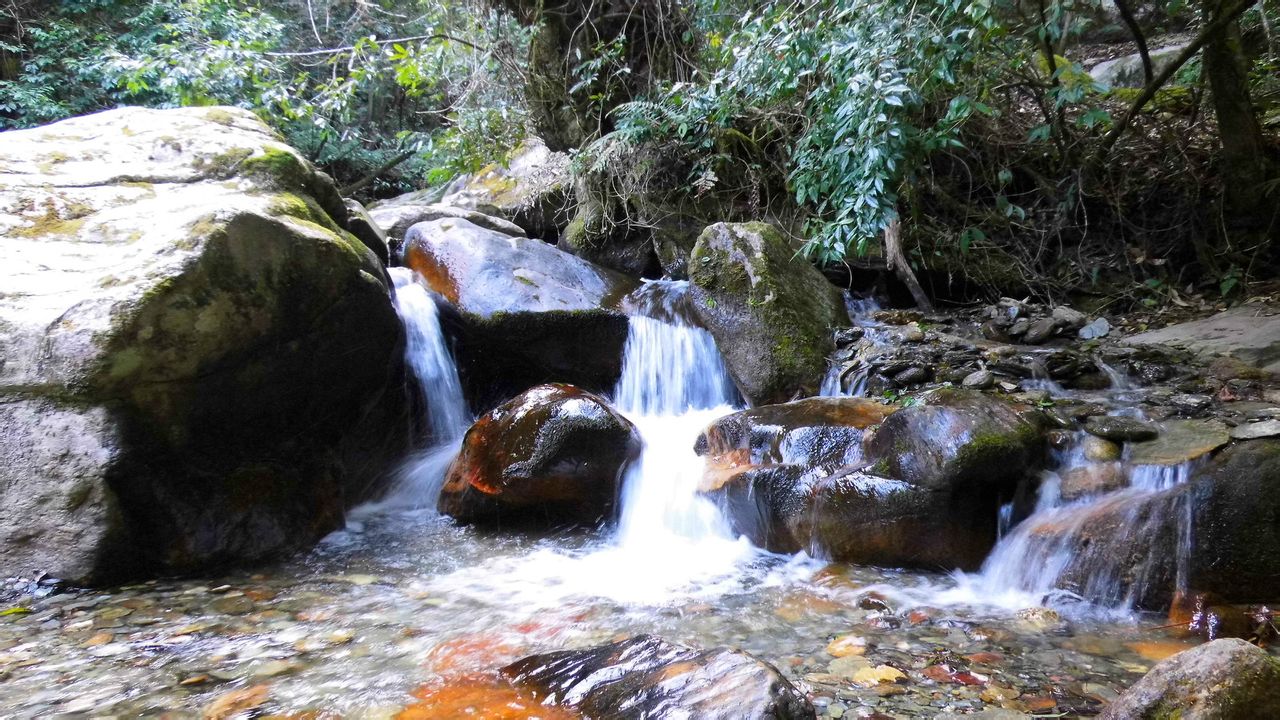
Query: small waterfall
[1051,548]
[840,380]
[673,384]
[427,354]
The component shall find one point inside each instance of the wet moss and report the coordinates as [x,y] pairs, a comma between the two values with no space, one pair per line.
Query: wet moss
[220,116]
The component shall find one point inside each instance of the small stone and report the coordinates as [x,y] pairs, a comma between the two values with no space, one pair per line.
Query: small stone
[1040,331]
[847,645]
[1253,431]
[1019,327]
[1096,329]
[237,605]
[979,380]
[873,676]
[1069,318]
[1191,403]
[914,375]
[99,639]
[1120,429]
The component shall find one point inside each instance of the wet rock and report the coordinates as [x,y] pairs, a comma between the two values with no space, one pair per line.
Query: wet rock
[1019,327]
[923,490]
[526,313]
[1188,404]
[848,336]
[1120,429]
[979,380]
[995,330]
[914,375]
[1181,441]
[1099,450]
[603,232]
[648,677]
[177,285]
[1092,479]
[553,454]
[770,311]
[1256,430]
[1040,331]
[1226,679]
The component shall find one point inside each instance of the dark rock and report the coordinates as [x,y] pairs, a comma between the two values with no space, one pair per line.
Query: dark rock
[848,336]
[646,678]
[914,375]
[1019,327]
[1226,679]
[595,234]
[979,380]
[922,490]
[555,453]
[527,313]
[200,365]
[1189,404]
[1040,331]
[771,312]
[367,231]
[1120,429]
[1069,318]
[995,330]
[530,188]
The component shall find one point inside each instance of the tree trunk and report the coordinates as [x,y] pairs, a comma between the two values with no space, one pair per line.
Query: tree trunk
[1245,163]
[574,45]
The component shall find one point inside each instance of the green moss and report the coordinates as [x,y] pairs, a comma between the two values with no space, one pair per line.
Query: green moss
[1174,99]
[281,168]
[224,164]
[220,116]
[50,224]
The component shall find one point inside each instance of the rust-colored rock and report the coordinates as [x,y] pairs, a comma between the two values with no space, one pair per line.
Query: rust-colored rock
[554,453]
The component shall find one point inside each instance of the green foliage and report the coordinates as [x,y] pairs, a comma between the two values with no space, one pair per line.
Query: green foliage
[353,83]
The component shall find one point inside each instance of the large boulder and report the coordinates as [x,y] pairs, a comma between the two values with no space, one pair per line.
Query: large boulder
[646,677]
[526,313]
[1227,679]
[552,454]
[200,365]
[531,189]
[770,311]
[856,481]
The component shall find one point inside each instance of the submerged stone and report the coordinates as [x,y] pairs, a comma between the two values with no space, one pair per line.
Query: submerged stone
[646,677]
[1121,429]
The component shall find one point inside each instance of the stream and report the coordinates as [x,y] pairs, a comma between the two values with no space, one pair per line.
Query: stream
[404,599]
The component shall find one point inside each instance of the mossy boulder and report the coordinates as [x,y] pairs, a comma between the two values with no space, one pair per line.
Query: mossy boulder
[522,312]
[770,311]
[1227,679]
[200,365]
[604,231]
[552,454]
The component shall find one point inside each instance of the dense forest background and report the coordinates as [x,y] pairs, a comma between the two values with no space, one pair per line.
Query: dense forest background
[975,142]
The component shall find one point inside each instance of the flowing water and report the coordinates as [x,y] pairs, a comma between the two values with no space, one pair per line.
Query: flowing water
[404,598]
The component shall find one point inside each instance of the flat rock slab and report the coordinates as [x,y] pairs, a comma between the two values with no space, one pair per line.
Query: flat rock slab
[1250,334]
[1181,441]
[1253,431]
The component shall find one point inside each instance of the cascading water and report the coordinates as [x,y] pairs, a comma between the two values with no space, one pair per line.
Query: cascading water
[1051,548]
[851,380]
[427,354]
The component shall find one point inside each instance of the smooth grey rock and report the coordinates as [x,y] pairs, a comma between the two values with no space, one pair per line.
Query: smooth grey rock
[1249,333]
[1127,71]
[1040,331]
[1069,318]
[979,380]
[1253,431]
[1120,429]
[397,215]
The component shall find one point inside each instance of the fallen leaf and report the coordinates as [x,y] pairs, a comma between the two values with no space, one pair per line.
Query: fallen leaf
[873,676]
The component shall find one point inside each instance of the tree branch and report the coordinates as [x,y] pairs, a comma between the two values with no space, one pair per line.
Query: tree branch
[1127,15]
[362,182]
[1225,18]
[349,48]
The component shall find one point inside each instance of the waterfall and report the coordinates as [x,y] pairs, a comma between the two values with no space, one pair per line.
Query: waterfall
[673,384]
[427,355]
[1051,548]
[840,380]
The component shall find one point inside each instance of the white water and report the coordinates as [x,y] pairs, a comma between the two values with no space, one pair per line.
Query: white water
[418,482]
